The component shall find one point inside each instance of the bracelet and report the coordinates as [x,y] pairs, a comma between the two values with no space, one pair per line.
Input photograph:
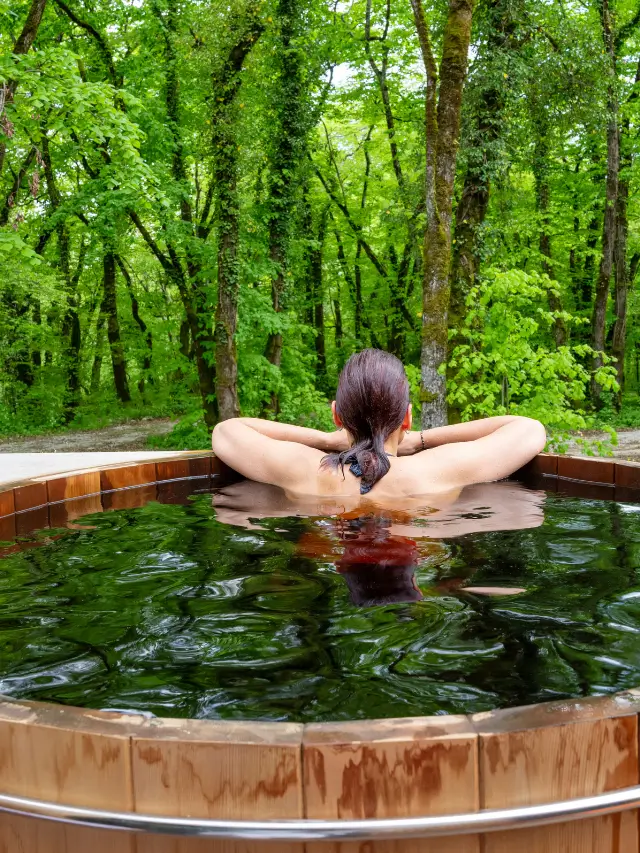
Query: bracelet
[422,441]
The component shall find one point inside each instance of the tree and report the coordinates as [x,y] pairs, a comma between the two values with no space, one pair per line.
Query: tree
[442,129]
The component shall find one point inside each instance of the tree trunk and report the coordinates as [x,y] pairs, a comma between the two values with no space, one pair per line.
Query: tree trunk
[20,48]
[113,328]
[146,333]
[599,316]
[618,347]
[317,295]
[541,177]
[442,126]
[487,125]
[36,354]
[96,368]
[227,215]
[289,129]
[339,333]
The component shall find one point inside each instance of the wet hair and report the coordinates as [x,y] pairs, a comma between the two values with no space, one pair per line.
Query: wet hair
[379,568]
[371,401]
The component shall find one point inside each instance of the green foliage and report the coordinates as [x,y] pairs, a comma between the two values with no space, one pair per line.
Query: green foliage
[507,364]
[190,433]
[112,145]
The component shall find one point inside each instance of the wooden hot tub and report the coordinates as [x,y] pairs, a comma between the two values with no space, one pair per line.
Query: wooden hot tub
[66,773]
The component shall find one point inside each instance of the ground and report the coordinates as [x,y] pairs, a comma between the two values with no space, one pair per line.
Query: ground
[133,436]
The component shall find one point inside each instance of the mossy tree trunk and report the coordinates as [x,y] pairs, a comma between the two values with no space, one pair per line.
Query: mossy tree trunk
[21,47]
[442,127]
[226,85]
[605,271]
[291,122]
[71,331]
[110,308]
[486,126]
[540,167]
[621,266]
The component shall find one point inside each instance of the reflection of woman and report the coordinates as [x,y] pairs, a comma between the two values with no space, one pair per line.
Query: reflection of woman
[373,453]
[377,551]
[378,566]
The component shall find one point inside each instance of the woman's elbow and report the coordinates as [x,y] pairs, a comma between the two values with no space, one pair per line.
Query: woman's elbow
[537,436]
[220,436]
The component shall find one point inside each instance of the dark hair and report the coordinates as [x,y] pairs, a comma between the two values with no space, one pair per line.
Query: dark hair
[379,568]
[371,401]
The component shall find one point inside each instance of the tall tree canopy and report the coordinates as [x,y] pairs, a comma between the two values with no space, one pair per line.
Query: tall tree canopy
[205,208]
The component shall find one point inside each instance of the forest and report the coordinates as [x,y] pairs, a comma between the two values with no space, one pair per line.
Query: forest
[206,207]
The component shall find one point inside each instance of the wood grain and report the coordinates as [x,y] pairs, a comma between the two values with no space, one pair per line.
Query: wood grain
[177,470]
[589,470]
[208,769]
[7,503]
[127,476]
[521,766]
[22,835]
[64,755]
[392,768]
[73,486]
[34,519]
[129,498]
[66,512]
[213,769]
[627,475]
[200,466]
[7,528]
[165,844]
[30,496]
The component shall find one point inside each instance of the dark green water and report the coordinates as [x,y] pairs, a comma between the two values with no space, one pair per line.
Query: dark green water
[167,609]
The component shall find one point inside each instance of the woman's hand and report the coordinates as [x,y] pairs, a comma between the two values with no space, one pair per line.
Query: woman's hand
[337,441]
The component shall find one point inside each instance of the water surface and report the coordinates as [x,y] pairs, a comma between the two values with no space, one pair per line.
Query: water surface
[243,605]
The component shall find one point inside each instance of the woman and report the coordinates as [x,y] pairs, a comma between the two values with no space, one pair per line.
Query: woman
[373,452]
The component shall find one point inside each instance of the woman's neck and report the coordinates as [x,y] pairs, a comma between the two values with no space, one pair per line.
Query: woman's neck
[391,444]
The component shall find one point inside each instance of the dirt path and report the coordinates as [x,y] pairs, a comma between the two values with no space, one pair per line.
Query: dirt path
[127,436]
[628,447]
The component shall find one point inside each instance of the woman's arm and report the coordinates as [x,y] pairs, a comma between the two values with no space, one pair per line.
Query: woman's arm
[453,434]
[271,452]
[492,456]
[328,442]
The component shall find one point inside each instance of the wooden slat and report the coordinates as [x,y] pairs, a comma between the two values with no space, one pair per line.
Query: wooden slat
[392,768]
[627,475]
[177,470]
[559,751]
[7,528]
[200,466]
[166,844]
[66,512]
[64,755]
[128,498]
[212,769]
[73,486]
[24,835]
[34,519]
[178,491]
[30,496]
[590,470]
[7,502]
[127,476]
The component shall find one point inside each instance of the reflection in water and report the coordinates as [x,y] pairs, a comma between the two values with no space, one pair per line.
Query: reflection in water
[374,548]
[246,605]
